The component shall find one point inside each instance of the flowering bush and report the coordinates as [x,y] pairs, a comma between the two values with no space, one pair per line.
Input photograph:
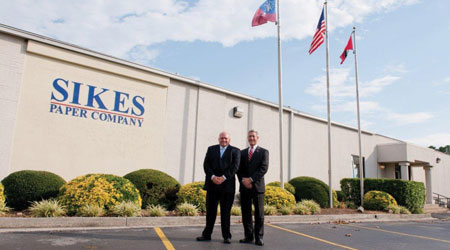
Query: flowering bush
[2,195]
[103,190]
[287,186]
[378,200]
[193,193]
[278,197]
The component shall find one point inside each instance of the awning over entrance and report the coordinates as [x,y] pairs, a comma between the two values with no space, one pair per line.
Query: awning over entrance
[405,152]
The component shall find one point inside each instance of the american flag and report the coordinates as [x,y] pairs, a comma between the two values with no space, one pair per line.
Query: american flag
[318,36]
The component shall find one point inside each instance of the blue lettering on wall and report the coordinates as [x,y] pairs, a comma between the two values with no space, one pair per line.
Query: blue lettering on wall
[101,104]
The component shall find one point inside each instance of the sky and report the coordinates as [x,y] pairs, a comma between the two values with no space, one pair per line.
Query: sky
[402,47]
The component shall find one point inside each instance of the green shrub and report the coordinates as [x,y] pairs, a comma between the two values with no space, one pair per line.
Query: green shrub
[350,204]
[47,208]
[126,209]
[285,210]
[187,209]
[278,197]
[103,190]
[236,210]
[301,209]
[310,188]
[410,194]
[378,200]
[155,187]
[88,210]
[24,187]
[156,210]
[193,193]
[340,195]
[270,210]
[287,186]
[312,206]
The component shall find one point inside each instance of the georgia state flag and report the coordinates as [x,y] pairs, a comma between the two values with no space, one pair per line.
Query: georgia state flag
[265,13]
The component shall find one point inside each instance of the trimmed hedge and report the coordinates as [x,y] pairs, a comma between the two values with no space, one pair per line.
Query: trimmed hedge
[155,187]
[378,200]
[287,186]
[410,194]
[278,197]
[103,190]
[309,188]
[26,186]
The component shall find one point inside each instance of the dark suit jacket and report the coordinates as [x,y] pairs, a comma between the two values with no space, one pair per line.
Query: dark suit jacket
[256,168]
[226,166]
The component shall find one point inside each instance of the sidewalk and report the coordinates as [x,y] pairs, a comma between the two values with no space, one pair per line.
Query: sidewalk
[19,224]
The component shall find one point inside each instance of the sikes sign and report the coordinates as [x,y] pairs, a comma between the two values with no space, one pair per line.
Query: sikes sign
[90,102]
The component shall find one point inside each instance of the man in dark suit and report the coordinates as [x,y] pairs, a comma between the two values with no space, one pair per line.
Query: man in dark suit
[254,165]
[220,165]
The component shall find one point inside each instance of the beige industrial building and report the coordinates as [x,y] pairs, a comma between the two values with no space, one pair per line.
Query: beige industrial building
[72,111]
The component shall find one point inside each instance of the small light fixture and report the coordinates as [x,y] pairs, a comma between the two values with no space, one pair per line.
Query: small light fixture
[237,112]
[438,160]
[382,166]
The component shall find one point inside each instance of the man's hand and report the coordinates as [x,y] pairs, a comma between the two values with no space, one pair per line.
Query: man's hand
[247,182]
[218,180]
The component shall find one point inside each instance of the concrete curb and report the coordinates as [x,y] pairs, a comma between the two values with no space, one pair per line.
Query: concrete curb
[121,222]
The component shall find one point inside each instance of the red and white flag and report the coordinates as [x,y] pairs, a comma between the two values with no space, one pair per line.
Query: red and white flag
[318,36]
[347,48]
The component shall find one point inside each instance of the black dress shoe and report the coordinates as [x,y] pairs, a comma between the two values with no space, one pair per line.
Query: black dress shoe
[246,240]
[227,241]
[203,238]
[259,242]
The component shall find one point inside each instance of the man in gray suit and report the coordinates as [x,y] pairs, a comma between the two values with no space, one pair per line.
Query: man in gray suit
[254,165]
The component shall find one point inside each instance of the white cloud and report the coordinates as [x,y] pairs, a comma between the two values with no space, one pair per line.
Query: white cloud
[116,27]
[411,118]
[437,140]
[142,54]
[375,86]
[443,82]
[364,107]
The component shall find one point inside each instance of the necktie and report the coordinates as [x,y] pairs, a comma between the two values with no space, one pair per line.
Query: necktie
[250,153]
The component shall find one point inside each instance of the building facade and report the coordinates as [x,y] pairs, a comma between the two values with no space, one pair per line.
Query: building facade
[72,111]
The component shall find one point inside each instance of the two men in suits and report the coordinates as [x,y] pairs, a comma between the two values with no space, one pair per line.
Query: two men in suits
[253,166]
[220,165]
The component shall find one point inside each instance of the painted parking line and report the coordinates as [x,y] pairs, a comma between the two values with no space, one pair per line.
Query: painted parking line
[404,234]
[164,239]
[311,237]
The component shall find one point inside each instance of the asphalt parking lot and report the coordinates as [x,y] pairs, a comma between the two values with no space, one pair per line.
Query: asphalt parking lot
[388,235]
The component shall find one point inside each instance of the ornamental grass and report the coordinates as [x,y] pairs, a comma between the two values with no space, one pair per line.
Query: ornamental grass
[47,208]
[187,209]
[156,210]
[126,209]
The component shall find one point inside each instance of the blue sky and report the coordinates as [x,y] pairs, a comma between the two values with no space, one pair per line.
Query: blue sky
[403,52]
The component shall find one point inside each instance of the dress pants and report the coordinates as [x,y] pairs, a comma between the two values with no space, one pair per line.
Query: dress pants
[213,198]
[247,198]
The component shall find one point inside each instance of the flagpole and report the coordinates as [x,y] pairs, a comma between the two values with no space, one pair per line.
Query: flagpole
[328,107]
[361,167]
[280,96]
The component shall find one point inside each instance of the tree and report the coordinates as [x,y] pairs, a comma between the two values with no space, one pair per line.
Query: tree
[443,149]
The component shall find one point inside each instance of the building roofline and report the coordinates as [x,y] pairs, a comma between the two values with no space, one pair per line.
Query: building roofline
[72,47]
